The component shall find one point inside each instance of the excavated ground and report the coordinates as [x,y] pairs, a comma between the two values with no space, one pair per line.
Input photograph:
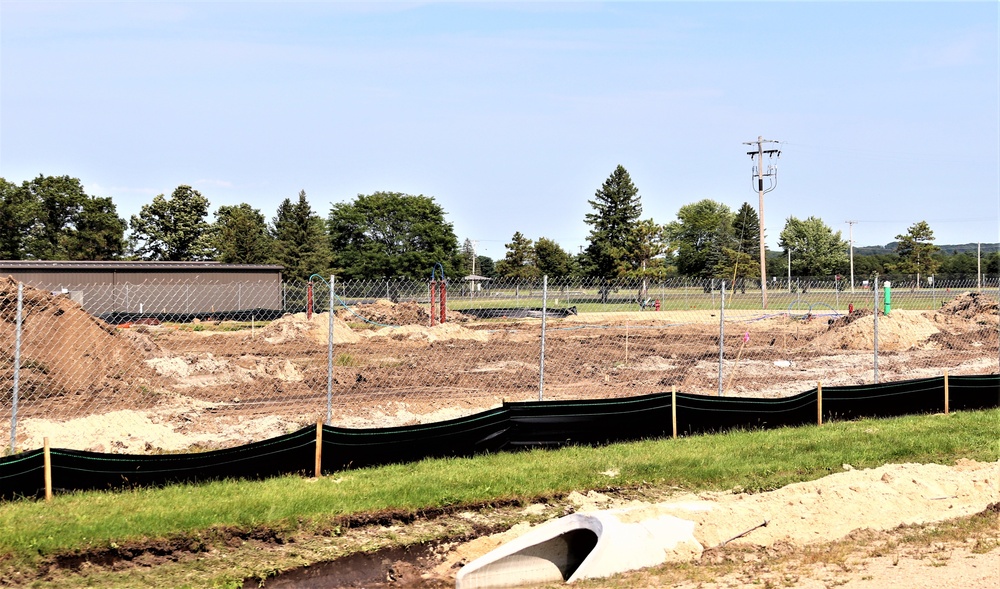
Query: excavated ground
[150,388]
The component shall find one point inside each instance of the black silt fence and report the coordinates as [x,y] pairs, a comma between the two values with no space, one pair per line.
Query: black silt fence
[466,436]
[514,426]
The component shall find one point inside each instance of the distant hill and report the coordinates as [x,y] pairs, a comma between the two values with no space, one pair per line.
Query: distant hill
[890,248]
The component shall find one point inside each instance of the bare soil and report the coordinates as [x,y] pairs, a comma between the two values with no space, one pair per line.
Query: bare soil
[149,388]
[153,388]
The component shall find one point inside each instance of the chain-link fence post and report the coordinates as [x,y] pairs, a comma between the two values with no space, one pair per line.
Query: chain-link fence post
[875,335]
[541,357]
[18,322]
[329,359]
[722,329]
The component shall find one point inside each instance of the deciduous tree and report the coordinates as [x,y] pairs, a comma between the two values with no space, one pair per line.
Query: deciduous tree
[391,234]
[699,235]
[552,260]
[172,229]
[99,233]
[52,218]
[18,213]
[816,250]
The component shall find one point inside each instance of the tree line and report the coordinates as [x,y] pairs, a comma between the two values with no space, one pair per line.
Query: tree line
[391,235]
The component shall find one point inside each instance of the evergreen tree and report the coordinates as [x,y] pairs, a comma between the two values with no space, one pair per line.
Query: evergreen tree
[616,209]
[519,263]
[468,257]
[738,256]
[916,250]
[646,247]
[240,236]
[746,230]
[300,243]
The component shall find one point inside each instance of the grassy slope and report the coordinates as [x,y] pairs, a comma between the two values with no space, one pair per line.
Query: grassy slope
[757,460]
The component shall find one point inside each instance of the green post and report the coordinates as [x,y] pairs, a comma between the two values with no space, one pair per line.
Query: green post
[888,297]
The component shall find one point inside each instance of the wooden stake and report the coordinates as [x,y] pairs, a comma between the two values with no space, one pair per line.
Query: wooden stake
[673,408]
[732,372]
[48,469]
[946,392]
[319,448]
[819,403]
[626,342]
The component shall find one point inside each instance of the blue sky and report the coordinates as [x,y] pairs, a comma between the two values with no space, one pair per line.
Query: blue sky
[512,115]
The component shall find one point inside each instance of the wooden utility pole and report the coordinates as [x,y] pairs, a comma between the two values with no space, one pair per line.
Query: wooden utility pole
[759,174]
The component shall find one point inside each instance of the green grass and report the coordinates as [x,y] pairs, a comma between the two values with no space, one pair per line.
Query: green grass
[752,461]
[684,299]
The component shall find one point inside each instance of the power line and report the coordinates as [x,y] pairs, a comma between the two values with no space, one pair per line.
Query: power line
[759,174]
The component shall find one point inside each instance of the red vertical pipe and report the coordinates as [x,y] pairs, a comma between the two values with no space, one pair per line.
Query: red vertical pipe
[433,292]
[309,301]
[444,295]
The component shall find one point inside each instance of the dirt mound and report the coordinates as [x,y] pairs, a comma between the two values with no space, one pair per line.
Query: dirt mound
[849,319]
[65,350]
[973,306]
[385,312]
[297,328]
[442,332]
[898,331]
[797,515]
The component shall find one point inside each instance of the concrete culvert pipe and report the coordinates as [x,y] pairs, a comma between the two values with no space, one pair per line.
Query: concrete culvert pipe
[583,546]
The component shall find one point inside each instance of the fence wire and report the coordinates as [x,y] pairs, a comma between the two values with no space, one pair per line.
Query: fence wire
[162,367]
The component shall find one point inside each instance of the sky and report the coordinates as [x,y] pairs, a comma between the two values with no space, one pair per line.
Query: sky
[512,115]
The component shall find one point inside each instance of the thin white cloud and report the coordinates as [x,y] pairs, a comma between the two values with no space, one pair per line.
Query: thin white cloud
[953,53]
[215,183]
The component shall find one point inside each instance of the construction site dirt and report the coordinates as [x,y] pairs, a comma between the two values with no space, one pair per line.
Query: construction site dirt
[152,388]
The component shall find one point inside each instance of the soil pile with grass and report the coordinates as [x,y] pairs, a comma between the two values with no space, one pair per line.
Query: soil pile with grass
[897,332]
[972,306]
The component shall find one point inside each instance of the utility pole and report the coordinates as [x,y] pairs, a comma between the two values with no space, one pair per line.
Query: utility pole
[850,238]
[758,175]
[475,244]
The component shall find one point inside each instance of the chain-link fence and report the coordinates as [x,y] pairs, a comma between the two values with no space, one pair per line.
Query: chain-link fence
[148,368]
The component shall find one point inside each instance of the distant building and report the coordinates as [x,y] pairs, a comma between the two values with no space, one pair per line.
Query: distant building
[153,288]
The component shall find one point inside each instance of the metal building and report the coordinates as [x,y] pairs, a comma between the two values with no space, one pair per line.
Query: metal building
[148,288]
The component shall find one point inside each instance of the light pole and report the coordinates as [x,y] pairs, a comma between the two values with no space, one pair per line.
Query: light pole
[759,175]
[789,269]
[850,238]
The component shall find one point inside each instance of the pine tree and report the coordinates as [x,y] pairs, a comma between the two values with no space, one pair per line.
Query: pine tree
[746,230]
[300,242]
[916,251]
[616,207]
[519,262]
[240,236]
